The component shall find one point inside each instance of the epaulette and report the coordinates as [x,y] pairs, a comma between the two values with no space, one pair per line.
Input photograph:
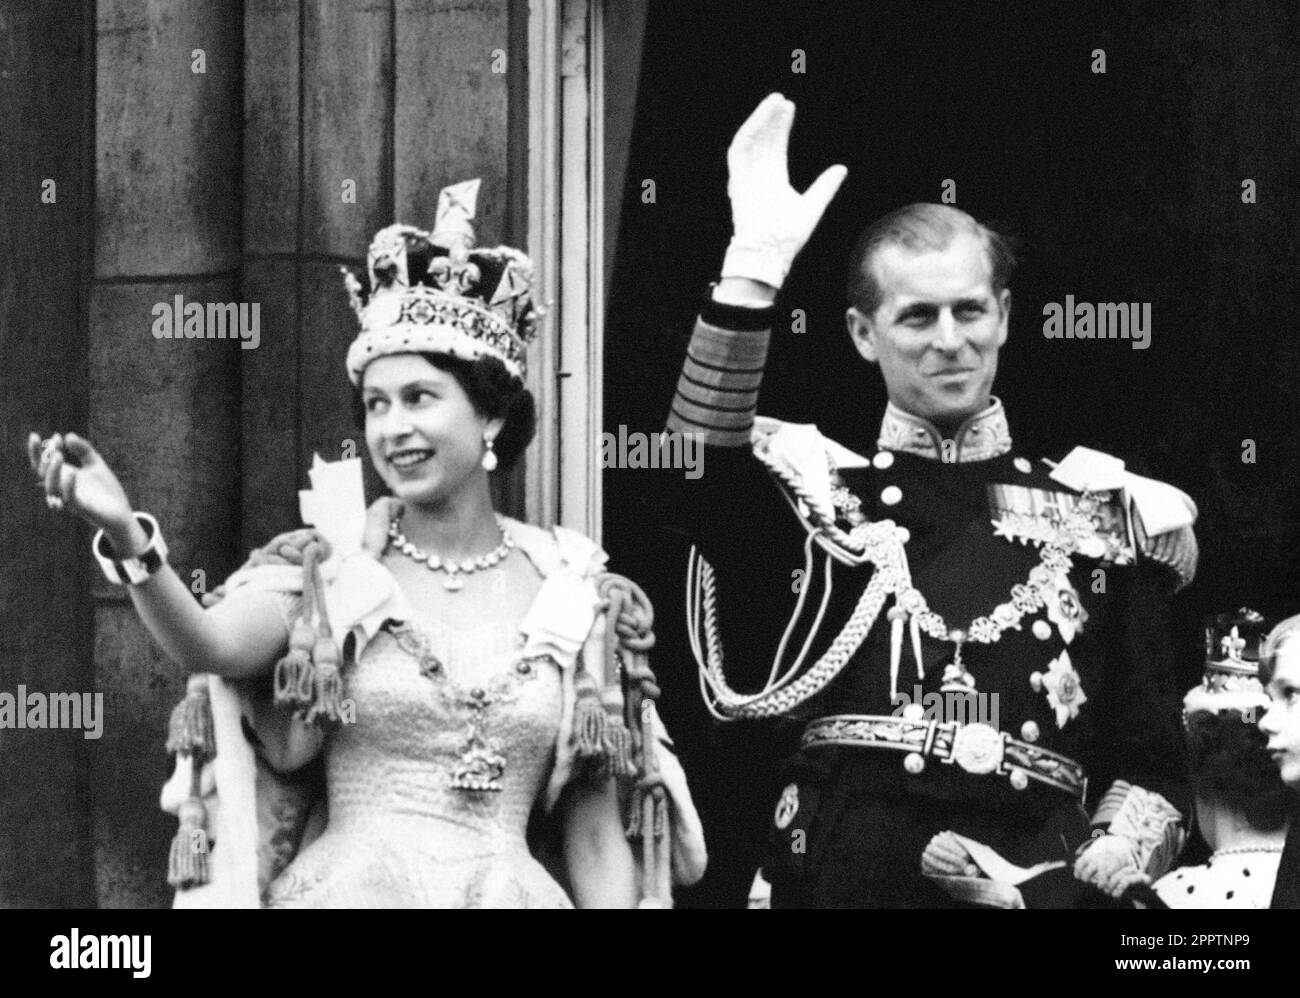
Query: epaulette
[800,459]
[1161,515]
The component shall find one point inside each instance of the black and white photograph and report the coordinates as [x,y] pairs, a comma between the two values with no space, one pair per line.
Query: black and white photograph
[653,454]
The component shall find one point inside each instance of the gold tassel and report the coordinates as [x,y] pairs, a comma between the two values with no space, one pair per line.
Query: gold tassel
[618,748]
[634,813]
[589,719]
[191,734]
[294,674]
[187,863]
[322,689]
[661,812]
[190,728]
[328,691]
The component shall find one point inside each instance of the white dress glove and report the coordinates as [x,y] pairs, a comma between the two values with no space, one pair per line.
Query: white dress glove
[771,220]
[1110,863]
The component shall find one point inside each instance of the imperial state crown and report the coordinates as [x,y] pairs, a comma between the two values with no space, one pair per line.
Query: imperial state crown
[435,292]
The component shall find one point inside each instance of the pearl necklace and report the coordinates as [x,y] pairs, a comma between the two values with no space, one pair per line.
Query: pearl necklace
[455,571]
[1239,850]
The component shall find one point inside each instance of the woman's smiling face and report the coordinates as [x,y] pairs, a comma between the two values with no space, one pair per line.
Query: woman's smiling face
[424,435]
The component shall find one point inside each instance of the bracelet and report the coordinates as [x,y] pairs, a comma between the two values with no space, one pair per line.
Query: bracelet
[132,571]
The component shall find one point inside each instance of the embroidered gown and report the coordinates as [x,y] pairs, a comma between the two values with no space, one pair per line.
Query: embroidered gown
[458,733]
[400,834]
[442,716]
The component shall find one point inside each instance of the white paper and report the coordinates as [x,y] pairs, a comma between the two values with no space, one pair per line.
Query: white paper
[336,503]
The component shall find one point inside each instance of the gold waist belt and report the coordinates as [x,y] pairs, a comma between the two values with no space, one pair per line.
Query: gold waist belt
[980,749]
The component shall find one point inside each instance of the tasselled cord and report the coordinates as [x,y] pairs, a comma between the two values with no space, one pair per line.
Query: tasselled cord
[783,691]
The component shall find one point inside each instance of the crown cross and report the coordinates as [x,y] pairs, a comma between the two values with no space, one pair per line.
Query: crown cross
[452,227]
[460,197]
[1232,644]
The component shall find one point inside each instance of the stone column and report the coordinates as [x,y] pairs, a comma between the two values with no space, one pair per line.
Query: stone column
[164,412]
[47,100]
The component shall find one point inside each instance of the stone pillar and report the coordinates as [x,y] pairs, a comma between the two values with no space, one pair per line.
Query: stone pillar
[47,79]
[164,412]
[269,461]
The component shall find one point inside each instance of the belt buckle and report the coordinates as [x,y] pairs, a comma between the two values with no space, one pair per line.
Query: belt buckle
[978,748]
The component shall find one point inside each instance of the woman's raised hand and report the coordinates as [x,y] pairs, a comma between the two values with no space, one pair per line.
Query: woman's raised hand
[77,479]
[772,221]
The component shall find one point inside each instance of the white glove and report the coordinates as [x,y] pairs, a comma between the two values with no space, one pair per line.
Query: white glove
[945,856]
[771,221]
[1110,863]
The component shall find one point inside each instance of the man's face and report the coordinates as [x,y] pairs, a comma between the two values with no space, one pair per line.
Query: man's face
[938,328]
[1282,722]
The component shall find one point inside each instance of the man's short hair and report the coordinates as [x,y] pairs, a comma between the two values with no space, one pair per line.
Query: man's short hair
[1287,630]
[917,228]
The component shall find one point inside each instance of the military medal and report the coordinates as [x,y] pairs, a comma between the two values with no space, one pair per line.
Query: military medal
[881,544]
[955,677]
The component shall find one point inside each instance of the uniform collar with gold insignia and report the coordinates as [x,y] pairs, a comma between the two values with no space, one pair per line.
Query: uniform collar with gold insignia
[985,435]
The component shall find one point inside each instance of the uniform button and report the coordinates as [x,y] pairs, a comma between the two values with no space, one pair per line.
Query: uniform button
[891,495]
[1042,630]
[1023,466]
[883,461]
[1029,731]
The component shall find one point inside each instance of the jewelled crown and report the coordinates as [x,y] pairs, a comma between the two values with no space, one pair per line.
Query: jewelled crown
[1231,681]
[434,292]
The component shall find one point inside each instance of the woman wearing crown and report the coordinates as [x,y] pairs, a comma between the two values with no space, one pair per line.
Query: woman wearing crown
[440,658]
[1242,805]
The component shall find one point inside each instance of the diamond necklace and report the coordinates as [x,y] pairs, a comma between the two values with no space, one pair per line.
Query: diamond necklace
[455,570]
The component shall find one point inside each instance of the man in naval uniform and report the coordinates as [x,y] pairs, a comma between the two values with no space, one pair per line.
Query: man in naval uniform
[969,678]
